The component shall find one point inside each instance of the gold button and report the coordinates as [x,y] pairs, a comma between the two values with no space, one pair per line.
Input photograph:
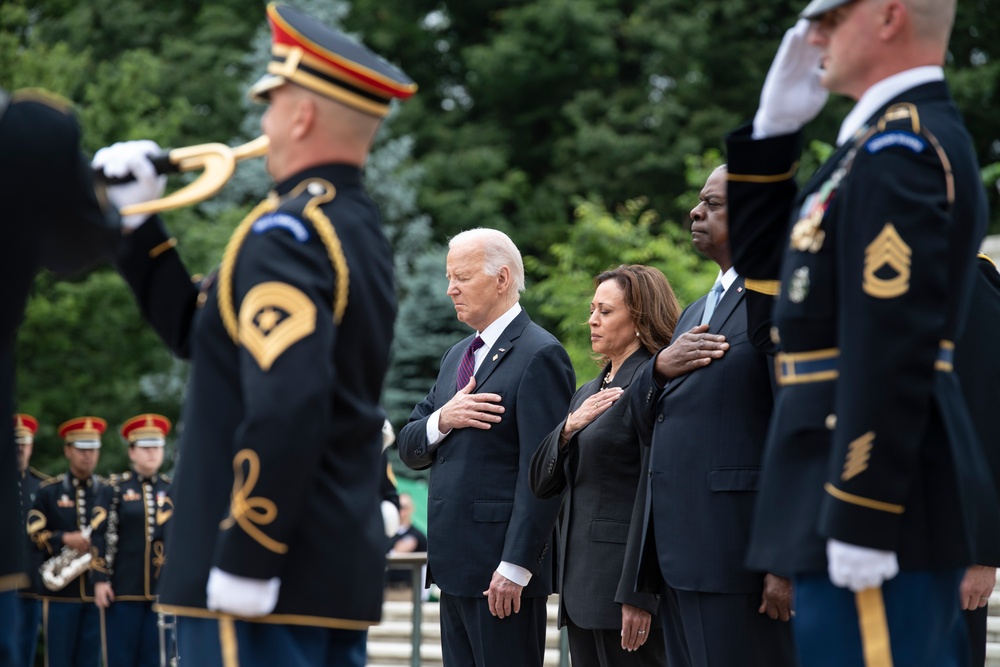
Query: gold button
[831,422]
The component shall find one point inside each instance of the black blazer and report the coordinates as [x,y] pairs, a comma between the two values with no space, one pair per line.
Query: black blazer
[707,430]
[480,509]
[599,470]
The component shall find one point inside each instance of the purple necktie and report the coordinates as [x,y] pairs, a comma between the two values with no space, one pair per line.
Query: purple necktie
[468,365]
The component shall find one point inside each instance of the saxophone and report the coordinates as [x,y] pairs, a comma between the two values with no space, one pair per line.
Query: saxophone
[66,565]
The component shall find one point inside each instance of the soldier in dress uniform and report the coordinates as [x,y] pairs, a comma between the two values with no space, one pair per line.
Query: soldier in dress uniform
[29,480]
[60,522]
[873,474]
[64,232]
[276,491]
[129,547]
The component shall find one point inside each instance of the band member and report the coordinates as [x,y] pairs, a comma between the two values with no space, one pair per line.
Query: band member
[59,524]
[129,547]
[29,481]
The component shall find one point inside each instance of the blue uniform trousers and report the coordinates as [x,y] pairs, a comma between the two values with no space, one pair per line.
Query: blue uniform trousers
[913,620]
[10,612]
[29,623]
[209,642]
[131,638]
[72,634]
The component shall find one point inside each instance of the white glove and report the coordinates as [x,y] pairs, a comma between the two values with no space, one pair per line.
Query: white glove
[792,94]
[858,568]
[130,157]
[390,518]
[241,596]
[388,435]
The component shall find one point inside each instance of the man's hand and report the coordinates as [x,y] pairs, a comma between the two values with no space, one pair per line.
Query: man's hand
[241,596]
[103,595]
[76,541]
[635,627]
[858,568]
[977,584]
[504,596]
[692,350]
[776,598]
[792,94]
[466,410]
[131,157]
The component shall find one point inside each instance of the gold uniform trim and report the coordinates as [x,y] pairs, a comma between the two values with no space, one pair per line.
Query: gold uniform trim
[989,259]
[162,248]
[9,582]
[859,452]
[46,97]
[247,511]
[100,514]
[760,178]
[874,627]
[863,502]
[888,249]
[784,363]
[325,231]
[281,619]
[273,317]
[769,287]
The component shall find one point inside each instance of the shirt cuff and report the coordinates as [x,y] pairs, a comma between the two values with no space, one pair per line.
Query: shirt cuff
[515,573]
[434,434]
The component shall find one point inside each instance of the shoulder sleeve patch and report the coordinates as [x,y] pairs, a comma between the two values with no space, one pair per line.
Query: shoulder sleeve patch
[273,317]
[271,221]
[889,139]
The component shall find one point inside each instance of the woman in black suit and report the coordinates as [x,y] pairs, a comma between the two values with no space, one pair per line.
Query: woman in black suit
[595,455]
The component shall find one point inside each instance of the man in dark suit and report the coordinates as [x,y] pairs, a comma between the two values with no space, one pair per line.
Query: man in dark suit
[276,491]
[705,403]
[498,393]
[873,470]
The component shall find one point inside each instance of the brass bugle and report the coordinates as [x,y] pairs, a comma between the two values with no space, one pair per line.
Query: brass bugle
[217,163]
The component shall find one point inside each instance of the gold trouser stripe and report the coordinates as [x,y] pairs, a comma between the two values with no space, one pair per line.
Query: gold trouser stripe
[45,629]
[862,501]
[760,178]
[104,636]
[227,640]
[769,287]
[162,248]
[874,628]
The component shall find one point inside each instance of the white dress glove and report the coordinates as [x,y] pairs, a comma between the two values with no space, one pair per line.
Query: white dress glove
[130,157]
[792,94]
[858,568]
[390,518]
[241,596]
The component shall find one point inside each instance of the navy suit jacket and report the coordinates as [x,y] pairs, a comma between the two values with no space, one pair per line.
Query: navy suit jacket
[707,430]
[480,509]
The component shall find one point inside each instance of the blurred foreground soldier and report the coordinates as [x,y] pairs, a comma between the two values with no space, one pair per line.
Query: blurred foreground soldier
[873,475]
[53,219]
[30,480]
[276,493]
[498,393]
[129,547]
[60,525]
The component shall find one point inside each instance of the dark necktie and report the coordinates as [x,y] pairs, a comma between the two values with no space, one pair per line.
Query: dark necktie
[468,365]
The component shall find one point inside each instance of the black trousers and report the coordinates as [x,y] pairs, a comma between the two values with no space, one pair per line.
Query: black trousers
[603,648]
[472,637]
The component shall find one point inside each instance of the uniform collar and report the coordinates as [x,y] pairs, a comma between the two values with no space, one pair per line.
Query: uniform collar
[340,175]
[879,95]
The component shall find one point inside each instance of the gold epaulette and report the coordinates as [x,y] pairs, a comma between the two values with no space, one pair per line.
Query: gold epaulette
[52,480]
[989,259]
[42,96]
[904,111]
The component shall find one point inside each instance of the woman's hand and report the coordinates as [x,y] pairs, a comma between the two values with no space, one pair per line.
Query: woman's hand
[592,408]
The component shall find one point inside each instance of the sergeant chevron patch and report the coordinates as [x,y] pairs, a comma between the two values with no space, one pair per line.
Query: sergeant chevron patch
[273,317]
[887,254]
